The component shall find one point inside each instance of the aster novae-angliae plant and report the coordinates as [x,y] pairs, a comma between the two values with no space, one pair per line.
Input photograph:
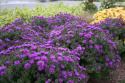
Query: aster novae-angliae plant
[100,56]
[36,63]
[116,27]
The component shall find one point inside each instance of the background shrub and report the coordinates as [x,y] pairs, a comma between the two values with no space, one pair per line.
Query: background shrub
[115,27]
[117,12]
[99,57]
[9,15]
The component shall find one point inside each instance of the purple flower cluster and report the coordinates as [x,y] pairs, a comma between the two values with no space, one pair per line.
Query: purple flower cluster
[61,47]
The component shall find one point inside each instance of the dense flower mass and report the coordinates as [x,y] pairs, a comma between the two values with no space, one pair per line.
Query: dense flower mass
[60,49]
[117,12]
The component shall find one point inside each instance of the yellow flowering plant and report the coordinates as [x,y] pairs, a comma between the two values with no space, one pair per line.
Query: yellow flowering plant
[117,12]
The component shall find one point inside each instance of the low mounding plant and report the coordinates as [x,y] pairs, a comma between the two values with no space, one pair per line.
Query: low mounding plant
[31,59]
[58,49]
[99,57]
[115,27]
[117,12]
[33,62]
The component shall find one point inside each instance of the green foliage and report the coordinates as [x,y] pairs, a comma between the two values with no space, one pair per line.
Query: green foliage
[9,15]
[107,5]
[89,7]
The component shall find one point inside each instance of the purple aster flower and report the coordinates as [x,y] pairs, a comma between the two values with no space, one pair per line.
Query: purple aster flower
[27,66]
[90,41]
[60,80]
[53,66]
[99,67]
[70,32]
[2,68]
[68,41]
[11,76]
[52,57]
[107,59]
[0,41]
[64,73]
[70,73]
[82,76]
[90,46]
[48,81]
[104,38]
[62,66]
[43,58]
[70,81]
[7,39]
[76,73]
[17,62]
[60,58]
[37,58]
[2,73]
[84,41]
[37,74]
[80,34]
[59,54]
[71,35]
[87,36]
[7,62]
[110,48]
[106,64]
[1,47]
[40,62]
[51,70]
[40,67]
[31,61]
[110,63]
[118,60]
[10,30]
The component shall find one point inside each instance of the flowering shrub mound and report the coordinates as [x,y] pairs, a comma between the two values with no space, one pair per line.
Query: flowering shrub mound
[58,49]
[100,55]
[34,62]
[117,12]
[115,27]
[18,33]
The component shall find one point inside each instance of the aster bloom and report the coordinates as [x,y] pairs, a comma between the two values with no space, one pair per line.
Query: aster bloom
[48,81]
[80,34]
[70,73]
[68,41]
[84,41]
[31,61]
[60,80]
[27,66]
[99,67]
[53,66]
[52,57]
[90,41]
[2,68]
[41,67]
[7,62]
[71,35]
[70,81]
[40,62]
[2,73]
[60,58]
[63,73]
[17,62]
[62,66]
[43,58]
[51,70]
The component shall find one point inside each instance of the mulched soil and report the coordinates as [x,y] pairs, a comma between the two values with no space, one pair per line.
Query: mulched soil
[116,76]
